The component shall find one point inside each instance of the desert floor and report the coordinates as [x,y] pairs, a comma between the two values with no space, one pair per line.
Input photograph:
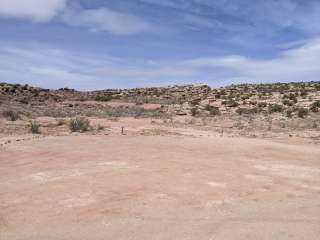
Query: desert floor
[187,185]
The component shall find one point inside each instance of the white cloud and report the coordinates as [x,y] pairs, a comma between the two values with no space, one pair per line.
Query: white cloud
[36,10]
[143,72]
[164,3]
[201,22]
[100,19]
[45,67]
[54,68]
[104,19]
[297,64]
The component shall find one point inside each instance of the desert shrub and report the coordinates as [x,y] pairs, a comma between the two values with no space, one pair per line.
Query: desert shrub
[34,127]
[60,122]
[302,112]
[25,87]
[100,127]
[248,111]
[262,104]
[287,102]
[194,111]
[222,92]
[11,115]
[57,113]
[245,97]
[275,108]
[207,107]
[289,113]
[135,111]
[240,111]
[139,103]
[214,111]
[195,102]
[315,106]
[303,93]
[103,98]
[293,97]
[24,100]
[314,124]
[79,124]
[231,103]
[66,89]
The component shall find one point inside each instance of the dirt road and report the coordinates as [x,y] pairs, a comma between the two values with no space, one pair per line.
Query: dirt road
[158,187]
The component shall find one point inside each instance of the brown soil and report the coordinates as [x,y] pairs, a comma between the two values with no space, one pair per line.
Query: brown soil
[166,184]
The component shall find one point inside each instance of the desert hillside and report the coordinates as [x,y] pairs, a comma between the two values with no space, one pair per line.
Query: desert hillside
[247,109]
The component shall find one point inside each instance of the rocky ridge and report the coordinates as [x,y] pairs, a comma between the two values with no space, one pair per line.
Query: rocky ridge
[195,100]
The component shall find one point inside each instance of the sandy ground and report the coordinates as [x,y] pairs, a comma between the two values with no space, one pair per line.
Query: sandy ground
[158,187]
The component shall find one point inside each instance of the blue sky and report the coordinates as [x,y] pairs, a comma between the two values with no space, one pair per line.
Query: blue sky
[101,44]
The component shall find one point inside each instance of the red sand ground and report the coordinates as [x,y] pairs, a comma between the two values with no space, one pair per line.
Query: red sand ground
[158,187]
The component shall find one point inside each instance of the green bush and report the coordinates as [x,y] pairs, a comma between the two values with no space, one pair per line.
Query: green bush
[293,97]
[287,102]
[194,111]
[195,102]
[79,124]
[103,98]
[315,106]
[247,111]
[231,103]
[289,113]
[245,97]
[11,115]
[262,104]
[34,127]
[275,108]
[214,111]
[303,93]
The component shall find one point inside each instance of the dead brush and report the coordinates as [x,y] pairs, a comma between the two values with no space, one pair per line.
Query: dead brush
[100,127]
[60,122]
[79,124]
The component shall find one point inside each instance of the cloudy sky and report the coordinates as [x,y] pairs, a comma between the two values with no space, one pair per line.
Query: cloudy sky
[96,44]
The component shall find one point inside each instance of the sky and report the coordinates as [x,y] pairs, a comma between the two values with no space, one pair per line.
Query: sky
[99,44]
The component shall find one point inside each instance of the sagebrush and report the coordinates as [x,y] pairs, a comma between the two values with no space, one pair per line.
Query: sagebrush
[79,124]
